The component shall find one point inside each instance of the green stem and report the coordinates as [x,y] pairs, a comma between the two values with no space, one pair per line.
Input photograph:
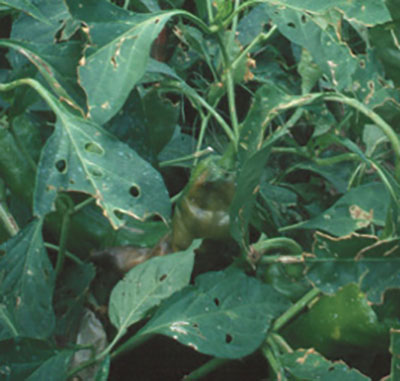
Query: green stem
[195,20]
[80,206]
[206,369]
[196,155]
[63,243]
[284,346]
[287,244]
[8,220]
[281,259]
[262,37]
[69,255]
[230,88]
[240,9]
[192,94]
[131,343]
[210,11]
[272,362]
[295,309]
[385,127]
[235,20]
[337,159]
[126,4]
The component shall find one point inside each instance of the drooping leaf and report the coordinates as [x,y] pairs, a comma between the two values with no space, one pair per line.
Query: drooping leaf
[26,289]
[26,6]
[81,156]
[270,100]
[40,30]
[117,52]
[57,64]
[225,314]
[146,285]
[362,259]
[319,37]
[20,358]
[310,366]
[358,208]
[367,12]
[53,369]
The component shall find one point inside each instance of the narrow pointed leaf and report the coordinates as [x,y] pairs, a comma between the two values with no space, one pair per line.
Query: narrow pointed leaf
[26,6]
[116,56]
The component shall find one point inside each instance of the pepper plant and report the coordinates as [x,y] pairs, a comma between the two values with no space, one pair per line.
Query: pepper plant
[224,174]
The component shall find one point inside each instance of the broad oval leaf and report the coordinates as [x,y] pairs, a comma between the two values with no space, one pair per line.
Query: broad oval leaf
[117,53]
[81,156]
[146,285]
[26,6]
[226,314]
[54,369]
[26,289]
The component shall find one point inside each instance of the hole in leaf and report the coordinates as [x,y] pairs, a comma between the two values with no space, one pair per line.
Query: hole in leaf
[118,214]
[156,21]
[134,191]
[291,25]
[72,181]
[92,147]
[61,165]
[228,338]
[195,325]
[216,301]
[95,172]
[303,19]
[332,368]
[163,277]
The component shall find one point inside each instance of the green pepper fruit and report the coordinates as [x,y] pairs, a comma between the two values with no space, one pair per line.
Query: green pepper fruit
[203,210]
[338,325]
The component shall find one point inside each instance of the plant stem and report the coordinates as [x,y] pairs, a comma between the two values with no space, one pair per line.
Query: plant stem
[210,11]
[67,253]
[262,37]
[230,88]
[131,343]
[126,4]
[80,206]
[206,369]
[273,362]
[385,127]
[192,94]
[196,155]
[295,309]
[63,243]
[287,244]
[282,343]
[8,220]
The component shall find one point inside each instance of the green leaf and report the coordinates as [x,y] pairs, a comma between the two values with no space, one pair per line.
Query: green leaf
[362,259]
[81,156]
[161,117]
[116,54]
[357,209]
[27,275]
[309,365]
[269,101]
[27,7]
[57,64]
[319,37]
[310,72]
[225,314]
[53,369]
[18,359]
[146,285]
[368,12]
[395,351]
